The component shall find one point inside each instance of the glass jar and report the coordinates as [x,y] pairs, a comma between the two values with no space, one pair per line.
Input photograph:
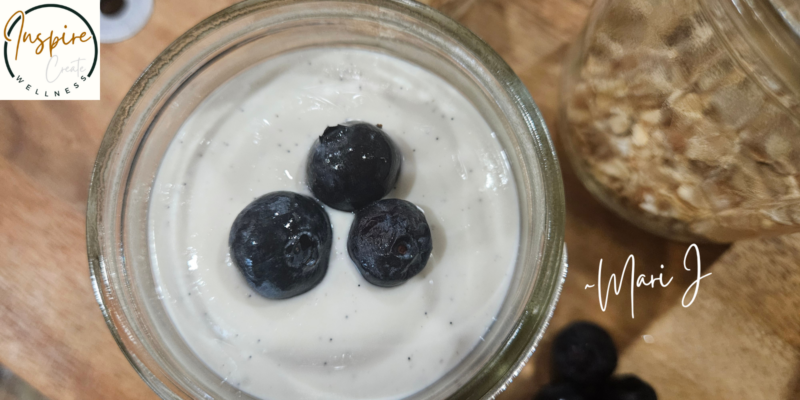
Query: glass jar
[683,116]
[244,35]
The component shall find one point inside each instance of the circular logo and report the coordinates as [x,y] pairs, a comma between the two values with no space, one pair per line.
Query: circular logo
[49,50]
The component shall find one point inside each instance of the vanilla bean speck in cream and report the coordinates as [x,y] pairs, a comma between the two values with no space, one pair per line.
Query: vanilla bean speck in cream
[345,338]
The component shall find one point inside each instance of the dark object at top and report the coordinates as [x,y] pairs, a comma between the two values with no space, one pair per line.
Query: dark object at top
[111,7]
[281,242]
[352,165]
[583,353]
[390,242]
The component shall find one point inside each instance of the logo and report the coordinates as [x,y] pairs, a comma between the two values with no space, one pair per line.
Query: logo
[640,280]
[50,50]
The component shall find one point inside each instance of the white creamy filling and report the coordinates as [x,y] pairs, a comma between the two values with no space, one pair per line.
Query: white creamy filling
[344,339]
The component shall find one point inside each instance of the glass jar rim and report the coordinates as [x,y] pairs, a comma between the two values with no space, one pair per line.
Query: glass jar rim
[141,99]
[767,31]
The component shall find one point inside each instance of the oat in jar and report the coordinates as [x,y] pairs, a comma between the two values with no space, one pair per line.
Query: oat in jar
[684,115]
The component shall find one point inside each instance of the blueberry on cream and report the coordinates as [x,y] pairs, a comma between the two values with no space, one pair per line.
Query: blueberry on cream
[281,242]
[352,165]
[344,339]
[390,242]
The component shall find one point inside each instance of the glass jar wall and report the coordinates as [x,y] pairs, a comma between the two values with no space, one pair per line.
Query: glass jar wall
[684,115]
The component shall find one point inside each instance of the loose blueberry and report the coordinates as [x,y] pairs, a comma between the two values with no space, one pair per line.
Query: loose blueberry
[281,242]
[628,387]
[558,391]
[390,241]
[352,165]
[583,353]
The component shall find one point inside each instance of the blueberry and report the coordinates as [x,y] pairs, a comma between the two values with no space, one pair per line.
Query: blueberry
[352,165]
[628,387]
[583,353]
[281,242]
[390,241]
[558,391]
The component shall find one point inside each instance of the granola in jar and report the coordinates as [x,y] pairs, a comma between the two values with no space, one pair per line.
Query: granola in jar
[682,121]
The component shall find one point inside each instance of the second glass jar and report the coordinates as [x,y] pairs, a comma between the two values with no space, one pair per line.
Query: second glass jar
[683,116]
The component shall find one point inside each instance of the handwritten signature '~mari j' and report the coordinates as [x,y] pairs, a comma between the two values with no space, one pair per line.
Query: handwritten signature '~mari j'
[643,280]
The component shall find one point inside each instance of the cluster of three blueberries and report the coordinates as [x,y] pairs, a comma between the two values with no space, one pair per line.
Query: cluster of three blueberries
[281,241]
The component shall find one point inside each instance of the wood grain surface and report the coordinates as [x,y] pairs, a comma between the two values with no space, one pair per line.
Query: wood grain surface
[742,341]
[51,330]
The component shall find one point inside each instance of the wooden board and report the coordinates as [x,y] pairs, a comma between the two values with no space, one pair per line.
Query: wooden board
[742,341]
[51,331]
